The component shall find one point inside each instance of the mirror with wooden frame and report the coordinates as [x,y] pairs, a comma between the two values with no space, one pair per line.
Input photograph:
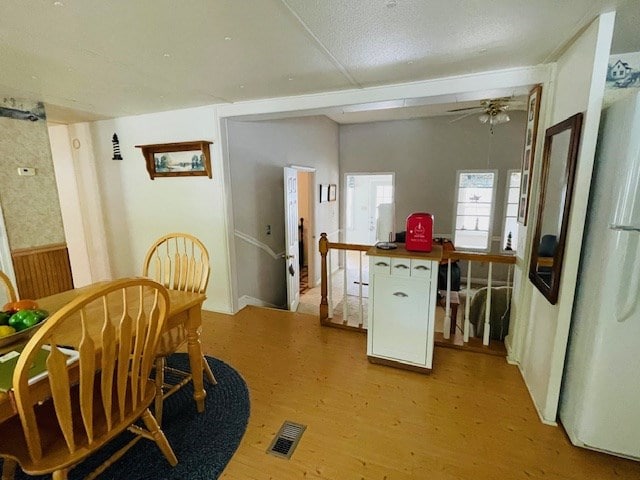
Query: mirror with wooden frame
[559,160]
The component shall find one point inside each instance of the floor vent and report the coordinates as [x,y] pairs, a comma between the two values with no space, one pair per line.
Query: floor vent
[286,440]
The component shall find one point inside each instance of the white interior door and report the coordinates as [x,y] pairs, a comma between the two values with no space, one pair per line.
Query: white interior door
[291,237]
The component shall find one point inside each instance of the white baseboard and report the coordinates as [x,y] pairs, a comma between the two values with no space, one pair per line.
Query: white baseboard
[510,359]
[551,423]
[247,300]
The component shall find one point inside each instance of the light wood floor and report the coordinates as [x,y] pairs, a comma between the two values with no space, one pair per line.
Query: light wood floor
[471,419]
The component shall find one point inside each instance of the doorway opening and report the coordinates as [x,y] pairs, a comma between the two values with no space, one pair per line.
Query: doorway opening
[306,233]
[365,192]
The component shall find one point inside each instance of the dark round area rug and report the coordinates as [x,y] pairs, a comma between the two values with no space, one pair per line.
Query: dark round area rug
[204,443]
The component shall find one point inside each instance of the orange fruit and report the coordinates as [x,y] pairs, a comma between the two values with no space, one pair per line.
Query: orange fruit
[20,305]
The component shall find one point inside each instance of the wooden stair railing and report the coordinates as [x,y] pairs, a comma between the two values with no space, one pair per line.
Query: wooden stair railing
[326,301]
[491,259]
[326,294]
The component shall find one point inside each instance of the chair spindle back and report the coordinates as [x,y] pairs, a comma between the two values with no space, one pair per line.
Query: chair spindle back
[178,261]
[8,287]
[121,323]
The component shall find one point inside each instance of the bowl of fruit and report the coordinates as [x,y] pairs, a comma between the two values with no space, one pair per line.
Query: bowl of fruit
[19,320]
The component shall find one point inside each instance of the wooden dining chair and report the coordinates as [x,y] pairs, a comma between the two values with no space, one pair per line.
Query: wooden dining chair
[8,287]
[178,261]
[94,394]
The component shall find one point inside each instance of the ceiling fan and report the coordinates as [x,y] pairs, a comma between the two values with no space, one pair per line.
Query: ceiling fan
[492,111]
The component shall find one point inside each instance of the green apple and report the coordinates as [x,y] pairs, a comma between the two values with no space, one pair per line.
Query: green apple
[23,319]
[41,314]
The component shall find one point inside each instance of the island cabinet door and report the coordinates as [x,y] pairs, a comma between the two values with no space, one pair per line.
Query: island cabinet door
[400,319]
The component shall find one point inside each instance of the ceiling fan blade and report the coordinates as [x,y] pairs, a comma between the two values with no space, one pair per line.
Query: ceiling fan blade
[462,116]
[517,105]
[466,108]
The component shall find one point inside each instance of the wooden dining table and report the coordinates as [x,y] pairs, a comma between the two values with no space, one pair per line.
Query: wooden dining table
[185,310]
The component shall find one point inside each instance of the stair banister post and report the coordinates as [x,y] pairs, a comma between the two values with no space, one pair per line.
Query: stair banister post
[324,303]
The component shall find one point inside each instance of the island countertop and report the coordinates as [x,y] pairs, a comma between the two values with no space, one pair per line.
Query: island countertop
[402,252]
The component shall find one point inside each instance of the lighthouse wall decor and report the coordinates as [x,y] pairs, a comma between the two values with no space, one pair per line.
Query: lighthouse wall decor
[116,147]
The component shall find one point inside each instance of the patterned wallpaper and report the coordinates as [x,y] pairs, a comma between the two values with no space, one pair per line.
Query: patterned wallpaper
[30,204]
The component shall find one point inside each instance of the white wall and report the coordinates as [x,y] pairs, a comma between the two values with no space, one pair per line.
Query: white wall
[579,87]
[137,210]
[131,218]
[258,151]
[425,155]
[70,205]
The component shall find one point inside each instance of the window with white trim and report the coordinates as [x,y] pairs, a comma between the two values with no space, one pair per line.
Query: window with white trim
[510,226]
[474,209]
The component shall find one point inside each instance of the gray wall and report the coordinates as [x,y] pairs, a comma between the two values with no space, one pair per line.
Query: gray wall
[425,155]
[258,151]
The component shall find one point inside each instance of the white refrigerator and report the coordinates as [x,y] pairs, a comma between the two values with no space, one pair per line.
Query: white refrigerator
[600,396]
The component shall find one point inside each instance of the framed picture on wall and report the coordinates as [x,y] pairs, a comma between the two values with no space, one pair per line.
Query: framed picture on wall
[323,193]
[183,159]
[529,151]
[333,192]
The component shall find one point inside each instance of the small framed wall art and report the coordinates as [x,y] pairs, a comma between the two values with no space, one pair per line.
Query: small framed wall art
[528,154]
[325,192]
[333,192]
[183,159]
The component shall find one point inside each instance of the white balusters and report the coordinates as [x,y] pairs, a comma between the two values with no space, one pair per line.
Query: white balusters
[467,305]
[347,310]
[508,285]
[360,282]
[452,298]
[345,281]
[447,311]
[330,284]
[487,313]
[354,316]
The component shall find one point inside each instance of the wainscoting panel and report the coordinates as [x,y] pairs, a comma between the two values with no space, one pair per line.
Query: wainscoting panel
[42,271]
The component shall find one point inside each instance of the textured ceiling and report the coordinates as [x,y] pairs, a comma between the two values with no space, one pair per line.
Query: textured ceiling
[96,59]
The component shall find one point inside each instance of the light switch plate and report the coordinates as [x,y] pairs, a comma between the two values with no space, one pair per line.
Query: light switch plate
[26,171]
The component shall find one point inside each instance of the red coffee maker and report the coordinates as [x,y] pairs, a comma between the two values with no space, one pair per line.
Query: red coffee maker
[419,232]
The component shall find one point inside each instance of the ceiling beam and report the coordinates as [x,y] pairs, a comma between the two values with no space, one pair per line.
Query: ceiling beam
[461,85]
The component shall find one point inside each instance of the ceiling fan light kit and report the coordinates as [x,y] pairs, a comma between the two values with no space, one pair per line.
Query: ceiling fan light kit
[493,112]
[501,117]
